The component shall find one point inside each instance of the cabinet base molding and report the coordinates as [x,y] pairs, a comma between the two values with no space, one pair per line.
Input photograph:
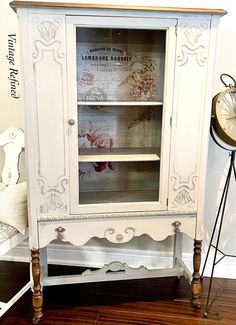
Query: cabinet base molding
[88,256]
[113,272]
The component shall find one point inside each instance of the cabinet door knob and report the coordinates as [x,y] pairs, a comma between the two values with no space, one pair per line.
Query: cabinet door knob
[71,121]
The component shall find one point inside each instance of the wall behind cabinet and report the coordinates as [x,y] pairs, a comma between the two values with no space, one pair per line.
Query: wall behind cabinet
[11,109]
[11,113]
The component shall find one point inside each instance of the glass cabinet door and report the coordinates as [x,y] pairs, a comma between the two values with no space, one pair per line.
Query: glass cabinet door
[119,89]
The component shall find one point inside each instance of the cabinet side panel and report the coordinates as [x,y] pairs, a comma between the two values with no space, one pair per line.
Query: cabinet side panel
[50,122]
[49,77]
[30,126]
[205,131]
[189,108]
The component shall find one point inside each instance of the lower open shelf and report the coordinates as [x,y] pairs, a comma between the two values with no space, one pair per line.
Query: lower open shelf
[118,182]
[96,197]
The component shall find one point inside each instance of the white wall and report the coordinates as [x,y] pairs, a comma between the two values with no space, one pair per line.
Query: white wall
[11,113]
[11,109]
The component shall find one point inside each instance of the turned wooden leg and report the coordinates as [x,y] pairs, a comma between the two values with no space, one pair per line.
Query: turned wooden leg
[37,292]
[196,281]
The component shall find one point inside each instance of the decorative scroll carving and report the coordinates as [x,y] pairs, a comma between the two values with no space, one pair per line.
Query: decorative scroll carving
[183,197]
[58,188]
[53,201]
[47,31]
[193,35]
[193,46]
[115,267]
[55,47]
[115,237]
[184,191]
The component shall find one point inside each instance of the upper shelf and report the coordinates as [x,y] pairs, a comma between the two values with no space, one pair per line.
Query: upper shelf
[118,154]
[119,103]
[209,11]
[119,158]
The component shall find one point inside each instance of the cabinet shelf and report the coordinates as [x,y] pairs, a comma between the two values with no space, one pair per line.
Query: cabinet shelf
[119,103]
[119,155]
[120,158]
[119,196]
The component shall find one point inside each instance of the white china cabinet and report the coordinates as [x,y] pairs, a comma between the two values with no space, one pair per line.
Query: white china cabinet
[117,105]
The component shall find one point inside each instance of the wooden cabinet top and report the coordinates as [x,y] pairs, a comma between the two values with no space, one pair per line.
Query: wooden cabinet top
[17,4]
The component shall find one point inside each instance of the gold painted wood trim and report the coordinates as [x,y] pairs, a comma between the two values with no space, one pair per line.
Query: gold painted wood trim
[17,4]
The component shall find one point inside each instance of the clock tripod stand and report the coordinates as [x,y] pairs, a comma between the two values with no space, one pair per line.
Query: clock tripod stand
[218,128]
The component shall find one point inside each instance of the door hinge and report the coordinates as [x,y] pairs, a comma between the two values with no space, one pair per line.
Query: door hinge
[171,121]
[167,201]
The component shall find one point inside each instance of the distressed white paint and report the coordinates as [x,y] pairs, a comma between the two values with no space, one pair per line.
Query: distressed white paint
[52,169]
[11,112]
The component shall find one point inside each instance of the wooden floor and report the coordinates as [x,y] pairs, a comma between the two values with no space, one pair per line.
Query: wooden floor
[150,301]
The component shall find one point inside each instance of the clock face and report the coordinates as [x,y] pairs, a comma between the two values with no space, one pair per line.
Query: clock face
[224,116]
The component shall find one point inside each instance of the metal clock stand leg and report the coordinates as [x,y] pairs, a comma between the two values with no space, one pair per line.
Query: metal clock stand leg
[220,216]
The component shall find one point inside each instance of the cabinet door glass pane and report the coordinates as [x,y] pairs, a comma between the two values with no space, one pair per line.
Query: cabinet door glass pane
[120,64]
[108,182]
[119,127]
[120,77]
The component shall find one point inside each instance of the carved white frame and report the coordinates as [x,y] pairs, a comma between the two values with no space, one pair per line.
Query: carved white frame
[116,22]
